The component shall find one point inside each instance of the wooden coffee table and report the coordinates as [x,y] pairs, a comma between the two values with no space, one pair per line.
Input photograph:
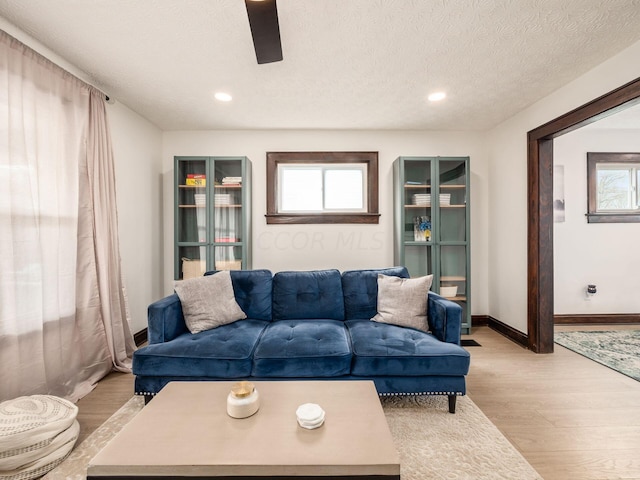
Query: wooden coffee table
[185,432]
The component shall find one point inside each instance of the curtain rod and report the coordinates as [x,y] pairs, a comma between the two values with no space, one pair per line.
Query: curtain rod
[14,40]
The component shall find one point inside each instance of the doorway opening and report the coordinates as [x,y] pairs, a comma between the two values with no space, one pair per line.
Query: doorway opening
[540,309]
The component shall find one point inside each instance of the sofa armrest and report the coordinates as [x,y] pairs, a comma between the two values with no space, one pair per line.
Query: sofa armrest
[165,319]
[445,318]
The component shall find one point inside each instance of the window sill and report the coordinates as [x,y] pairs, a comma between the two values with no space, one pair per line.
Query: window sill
[290,219]
[613,217]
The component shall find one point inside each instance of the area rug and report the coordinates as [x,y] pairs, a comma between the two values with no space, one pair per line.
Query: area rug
[432,443]
[617,349]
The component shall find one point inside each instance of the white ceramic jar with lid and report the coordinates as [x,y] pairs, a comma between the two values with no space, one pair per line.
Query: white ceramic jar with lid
[243,400]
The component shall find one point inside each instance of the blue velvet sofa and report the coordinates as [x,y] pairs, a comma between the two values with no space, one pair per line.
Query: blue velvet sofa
[307,325]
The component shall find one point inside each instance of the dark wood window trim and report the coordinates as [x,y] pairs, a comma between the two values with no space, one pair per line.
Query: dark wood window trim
[540,209]
[593,159]
[276,158]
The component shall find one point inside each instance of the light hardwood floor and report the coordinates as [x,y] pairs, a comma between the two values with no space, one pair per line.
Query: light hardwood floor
[570,417]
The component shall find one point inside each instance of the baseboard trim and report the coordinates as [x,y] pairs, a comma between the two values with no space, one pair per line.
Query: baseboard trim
[140,337]
[479,320]
[503,329]
[606,318]
[522,339]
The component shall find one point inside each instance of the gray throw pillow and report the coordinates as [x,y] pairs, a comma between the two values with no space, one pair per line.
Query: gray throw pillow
[403,301]
[208,302]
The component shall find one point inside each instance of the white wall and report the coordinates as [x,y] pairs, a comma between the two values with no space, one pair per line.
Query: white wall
[507,154]
[300,247]
[604,254]
[137,146]
[498,184]
[137,149]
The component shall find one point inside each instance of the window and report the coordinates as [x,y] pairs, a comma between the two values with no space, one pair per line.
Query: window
[613,180]
[322,187]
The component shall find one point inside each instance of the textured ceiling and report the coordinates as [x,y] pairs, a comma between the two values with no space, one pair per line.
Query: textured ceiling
[348,64]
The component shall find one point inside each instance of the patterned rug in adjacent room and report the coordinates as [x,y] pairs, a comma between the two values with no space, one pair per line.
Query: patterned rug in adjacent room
[616,349]
[433,444]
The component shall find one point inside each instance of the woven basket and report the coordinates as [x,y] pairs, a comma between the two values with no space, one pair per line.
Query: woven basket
[229,265]
[193,268]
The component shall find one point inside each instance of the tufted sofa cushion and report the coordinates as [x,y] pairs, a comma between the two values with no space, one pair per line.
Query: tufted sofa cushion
[295,348]
[360,289]
[380,349]
[308,295]
[224,352]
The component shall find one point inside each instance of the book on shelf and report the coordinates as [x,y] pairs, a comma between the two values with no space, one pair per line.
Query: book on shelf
[196,180]
[231,181]
[421,229]
[421,199]
[222,199]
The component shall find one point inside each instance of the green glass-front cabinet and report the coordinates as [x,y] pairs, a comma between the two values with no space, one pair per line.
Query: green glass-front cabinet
[431,215]
[212,215]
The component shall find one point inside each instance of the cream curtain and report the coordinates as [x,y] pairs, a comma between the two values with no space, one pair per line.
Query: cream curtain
[63,315]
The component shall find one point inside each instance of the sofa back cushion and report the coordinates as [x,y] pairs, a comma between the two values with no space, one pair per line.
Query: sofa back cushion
[253,289]
[310,294]
[360,289]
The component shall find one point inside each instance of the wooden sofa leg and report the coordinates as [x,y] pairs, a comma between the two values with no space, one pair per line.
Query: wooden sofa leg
[452,403]
[147,399]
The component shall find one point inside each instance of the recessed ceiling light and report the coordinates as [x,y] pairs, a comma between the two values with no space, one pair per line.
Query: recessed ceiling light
[436,96]
[223,97]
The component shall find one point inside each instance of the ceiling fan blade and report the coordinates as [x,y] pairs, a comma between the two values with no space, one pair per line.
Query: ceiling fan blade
[265,30]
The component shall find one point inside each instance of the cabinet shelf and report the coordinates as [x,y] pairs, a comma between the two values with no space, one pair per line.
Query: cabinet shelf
[429,206]
[216,206]
[453,278]
[204,187]
[426,186]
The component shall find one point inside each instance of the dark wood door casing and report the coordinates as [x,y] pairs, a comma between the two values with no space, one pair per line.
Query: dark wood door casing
[540,206]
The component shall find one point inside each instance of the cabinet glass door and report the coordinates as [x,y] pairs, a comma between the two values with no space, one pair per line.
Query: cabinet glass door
[227,215]
[454,277]
[192,216]
[417,201]
[418,260]
[227,200]
[452,200]
[192,201]
[453,271]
